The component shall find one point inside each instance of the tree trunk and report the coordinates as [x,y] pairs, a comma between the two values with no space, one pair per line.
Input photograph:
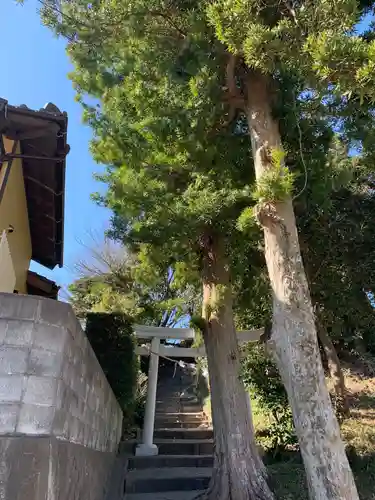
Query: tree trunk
[239,473]
[335,371]
[293,339]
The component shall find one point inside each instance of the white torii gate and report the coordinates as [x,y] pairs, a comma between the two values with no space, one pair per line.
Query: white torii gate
[153,333]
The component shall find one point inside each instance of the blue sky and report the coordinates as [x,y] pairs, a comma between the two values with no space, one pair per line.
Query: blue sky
[34,71]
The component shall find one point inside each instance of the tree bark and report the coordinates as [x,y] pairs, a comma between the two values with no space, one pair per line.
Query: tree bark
[335,371]
[293,339]
[239,473]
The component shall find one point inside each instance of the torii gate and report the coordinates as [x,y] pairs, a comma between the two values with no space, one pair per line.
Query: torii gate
[155,334]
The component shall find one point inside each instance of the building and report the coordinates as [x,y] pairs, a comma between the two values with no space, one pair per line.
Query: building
[33,148]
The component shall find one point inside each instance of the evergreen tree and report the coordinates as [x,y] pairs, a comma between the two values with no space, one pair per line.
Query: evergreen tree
[317,42]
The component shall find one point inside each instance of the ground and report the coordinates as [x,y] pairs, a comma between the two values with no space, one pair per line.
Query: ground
[287,475]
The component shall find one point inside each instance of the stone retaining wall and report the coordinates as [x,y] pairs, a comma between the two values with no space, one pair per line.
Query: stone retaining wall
[52,387]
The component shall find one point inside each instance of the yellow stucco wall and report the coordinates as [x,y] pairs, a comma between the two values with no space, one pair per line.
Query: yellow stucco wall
[13,211]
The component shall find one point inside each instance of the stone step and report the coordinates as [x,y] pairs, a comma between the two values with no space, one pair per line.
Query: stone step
[168,495]
[169,397]
[167,404]
[168,433]
[181,424]
[177,389]
[172,446]
[175,479]
[162,406]
[160,461]
[170,409]
[195,424]
[167,401]
[191,408]
[186,384]
[185,446]
[192,399]
[179,415]
[162,409]
[172,377]
[169,389]
[169,385]
[176,385]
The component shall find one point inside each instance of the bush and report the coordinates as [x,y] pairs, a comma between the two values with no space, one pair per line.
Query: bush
[202,389]
[140,399]
[263,381]
[112,339]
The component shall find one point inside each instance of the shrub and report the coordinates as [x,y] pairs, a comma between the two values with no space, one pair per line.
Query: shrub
[202,389]
[263,381]
[112,339]
[140,399]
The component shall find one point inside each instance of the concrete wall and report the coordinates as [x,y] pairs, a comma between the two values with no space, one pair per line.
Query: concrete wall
[13,211]
[55,402]
[46,468]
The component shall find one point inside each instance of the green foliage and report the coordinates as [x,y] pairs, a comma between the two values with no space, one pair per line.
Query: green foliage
[264,383]
[318,39]
[276,183]
[201,384]
[173,170]
[341,167]
[176,169]
[145,289]
[139,400]
[198,324]
[96,294]
[341,272]
[246,222]
[219,299]
[111,337]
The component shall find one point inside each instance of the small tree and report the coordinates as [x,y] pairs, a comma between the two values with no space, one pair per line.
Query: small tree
[113,280]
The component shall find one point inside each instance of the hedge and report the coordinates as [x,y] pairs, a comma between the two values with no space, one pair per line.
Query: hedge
[112,339]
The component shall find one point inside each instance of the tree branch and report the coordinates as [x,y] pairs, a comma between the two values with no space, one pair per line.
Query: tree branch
[170,21]
[234,96]
[290,10]
[55,9]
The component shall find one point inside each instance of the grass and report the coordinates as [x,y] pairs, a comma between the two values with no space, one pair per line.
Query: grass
[287,476]
[358,432]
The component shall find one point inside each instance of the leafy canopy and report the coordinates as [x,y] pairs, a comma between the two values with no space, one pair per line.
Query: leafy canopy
[177,166]
[318,38]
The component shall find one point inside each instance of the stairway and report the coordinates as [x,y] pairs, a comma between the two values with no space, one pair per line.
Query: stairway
[184,465]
